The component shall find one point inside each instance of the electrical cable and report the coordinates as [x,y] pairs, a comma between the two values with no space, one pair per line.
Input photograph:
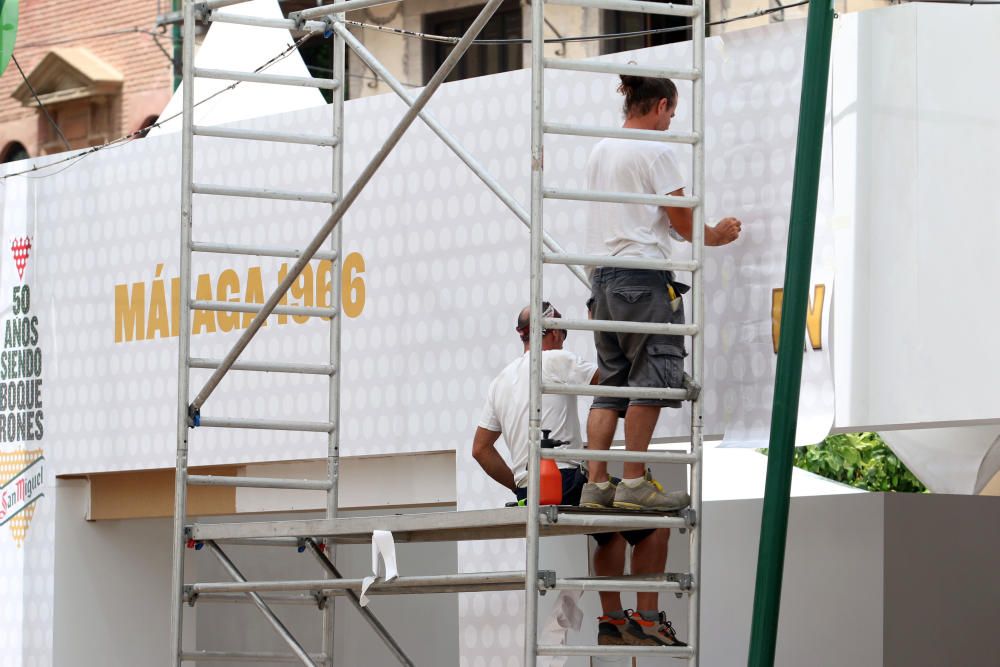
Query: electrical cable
[121,141]
[41,106]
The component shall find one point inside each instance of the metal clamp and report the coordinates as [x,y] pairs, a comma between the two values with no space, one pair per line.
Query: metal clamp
[693,388]
[551,514]
[194,417]
[546,580]
[690,517]
[190,596]
[321,599]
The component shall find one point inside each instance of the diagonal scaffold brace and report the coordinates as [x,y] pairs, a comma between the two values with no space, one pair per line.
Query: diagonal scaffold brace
[342,207]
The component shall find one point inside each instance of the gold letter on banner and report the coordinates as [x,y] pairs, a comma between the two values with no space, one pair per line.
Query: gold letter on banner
[814,318]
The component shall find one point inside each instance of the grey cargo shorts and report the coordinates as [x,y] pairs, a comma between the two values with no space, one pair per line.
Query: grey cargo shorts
[630,359]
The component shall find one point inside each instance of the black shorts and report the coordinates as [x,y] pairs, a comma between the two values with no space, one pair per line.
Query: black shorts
[573,480]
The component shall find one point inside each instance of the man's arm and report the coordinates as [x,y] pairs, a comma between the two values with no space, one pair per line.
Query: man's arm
[485,452]
[725,231]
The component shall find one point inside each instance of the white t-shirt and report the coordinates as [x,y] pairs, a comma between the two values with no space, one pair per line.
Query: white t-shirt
[631,230]
[506,409]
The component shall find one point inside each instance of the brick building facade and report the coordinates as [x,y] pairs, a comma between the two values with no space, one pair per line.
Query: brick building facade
[96,68]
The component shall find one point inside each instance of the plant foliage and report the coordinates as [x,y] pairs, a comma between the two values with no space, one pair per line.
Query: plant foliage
[862,460]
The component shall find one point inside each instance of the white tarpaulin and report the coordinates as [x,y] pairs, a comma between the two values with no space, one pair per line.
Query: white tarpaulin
[243,48]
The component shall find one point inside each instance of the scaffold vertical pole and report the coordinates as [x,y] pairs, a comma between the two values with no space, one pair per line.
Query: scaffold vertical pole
[535,336]
[184,342]
[336,276]
[698,307]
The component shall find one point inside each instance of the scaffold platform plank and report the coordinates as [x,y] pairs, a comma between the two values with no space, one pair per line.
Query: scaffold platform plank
[445,526]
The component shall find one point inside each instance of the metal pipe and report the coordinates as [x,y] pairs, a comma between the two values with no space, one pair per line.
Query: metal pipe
[266,193]
[621,262]
[619,521]
[664,8]
[621,68]
[620,326]
[621,133]
[449,64]
[210,5]
[275,622]
[183,344]
[273,599]
[261,135]
[620,392]
[266,424]
[244,656]
[268,366]
[260,251]
[617,455]
[336,291]
[337,8]
[259,482]
[274,79]
[439,582]
[698,28]
[279,24]
[533,522]
[625,651]
[620,585]
[451,142]
[621,198]
[365,612]
[788,377]
[237,307]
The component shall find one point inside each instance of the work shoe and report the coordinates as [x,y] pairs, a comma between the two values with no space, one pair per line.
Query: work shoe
[609,629]
[594,497]
[649,495]
[650,629]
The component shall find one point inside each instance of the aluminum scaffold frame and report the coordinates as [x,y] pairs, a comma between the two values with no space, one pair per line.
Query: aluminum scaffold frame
[320,536]
[539,193]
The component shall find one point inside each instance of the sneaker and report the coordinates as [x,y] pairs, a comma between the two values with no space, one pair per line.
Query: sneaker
[595,497]
[609,629]
[649,495]
[656,631]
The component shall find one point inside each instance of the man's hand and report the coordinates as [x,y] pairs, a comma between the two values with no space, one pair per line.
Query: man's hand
[724,232]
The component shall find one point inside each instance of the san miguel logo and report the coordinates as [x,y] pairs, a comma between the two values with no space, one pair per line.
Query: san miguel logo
[22,474]
[21,249]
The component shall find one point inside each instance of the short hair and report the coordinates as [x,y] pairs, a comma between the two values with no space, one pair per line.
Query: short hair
[524,320]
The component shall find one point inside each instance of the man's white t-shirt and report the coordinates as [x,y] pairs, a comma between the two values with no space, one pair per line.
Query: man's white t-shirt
[631,230]
[506,409]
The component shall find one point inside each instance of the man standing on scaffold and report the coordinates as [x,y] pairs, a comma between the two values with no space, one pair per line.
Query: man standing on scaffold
[636,295]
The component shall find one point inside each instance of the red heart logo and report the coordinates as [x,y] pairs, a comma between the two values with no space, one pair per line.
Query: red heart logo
[21,248]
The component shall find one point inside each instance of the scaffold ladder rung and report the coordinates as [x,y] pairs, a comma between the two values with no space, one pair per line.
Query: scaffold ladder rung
[267,366]
[617,455]
[620,262]
[266,424]
[619,326]
[259,251]
[262,135]
[663,9]
[621,68]
[339,8]
[237,307]
[620,585]
[621,133]
[260,482]
[265,193]
[275,79]
[209,5]
[622,651]
[247,656]
[621,197]
[617,392]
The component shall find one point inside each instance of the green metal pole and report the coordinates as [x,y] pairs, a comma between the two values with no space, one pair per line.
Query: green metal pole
[805,187]
[176,39]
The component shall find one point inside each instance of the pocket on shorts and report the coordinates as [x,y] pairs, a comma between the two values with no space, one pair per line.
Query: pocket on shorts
[670,360]
[633,294]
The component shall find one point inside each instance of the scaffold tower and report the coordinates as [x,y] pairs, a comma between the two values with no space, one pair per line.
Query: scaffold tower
[320,536]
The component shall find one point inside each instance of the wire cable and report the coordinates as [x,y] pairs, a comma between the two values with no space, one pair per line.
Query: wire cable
[41,106]
[73,160]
